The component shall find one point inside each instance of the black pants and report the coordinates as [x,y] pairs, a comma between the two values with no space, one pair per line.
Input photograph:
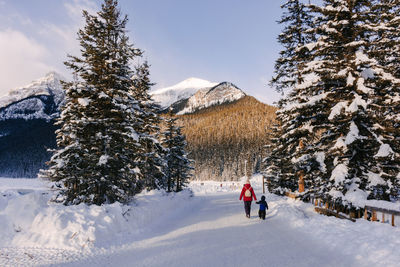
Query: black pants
[261,214]
[247,207]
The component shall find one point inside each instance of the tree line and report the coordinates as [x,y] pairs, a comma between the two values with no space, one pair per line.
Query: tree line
[226,141]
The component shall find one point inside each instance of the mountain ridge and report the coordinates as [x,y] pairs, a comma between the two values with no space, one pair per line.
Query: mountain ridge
[224,92]
[169,95]
[40,99]
[193,94]
[28,113]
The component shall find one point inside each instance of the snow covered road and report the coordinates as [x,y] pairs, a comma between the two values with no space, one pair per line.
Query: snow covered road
[211,229]
[215,232]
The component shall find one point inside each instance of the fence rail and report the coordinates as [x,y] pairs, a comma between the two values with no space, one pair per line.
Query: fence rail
[330,209]
[374,210]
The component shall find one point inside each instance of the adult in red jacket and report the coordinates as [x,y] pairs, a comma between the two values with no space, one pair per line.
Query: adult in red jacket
[247,198]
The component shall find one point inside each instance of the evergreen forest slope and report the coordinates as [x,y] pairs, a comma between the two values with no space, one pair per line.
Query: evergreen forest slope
[222,138]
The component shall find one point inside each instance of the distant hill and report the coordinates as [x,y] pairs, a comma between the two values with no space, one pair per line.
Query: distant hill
[222,138]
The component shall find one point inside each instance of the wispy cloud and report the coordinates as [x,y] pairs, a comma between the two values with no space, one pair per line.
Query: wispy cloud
[21,60]
[29,53]
[75,8]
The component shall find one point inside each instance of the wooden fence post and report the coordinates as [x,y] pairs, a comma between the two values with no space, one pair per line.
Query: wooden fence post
[392,219]
[352,214]
[301,181]
[383,217]
[374,219]
[366,214]
[263,182]
[301,173]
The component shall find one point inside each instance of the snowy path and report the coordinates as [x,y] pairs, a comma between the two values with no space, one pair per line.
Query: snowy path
[209,229]
[215,232]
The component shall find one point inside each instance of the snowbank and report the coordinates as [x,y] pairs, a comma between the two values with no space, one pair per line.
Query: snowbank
[28,219]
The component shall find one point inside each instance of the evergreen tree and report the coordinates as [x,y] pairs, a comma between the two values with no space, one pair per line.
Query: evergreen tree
[385,48]
[337,113]
[297,20]
[178,167]
[293,117]
[99,149]
[277,183]
[152,157]
[353,80]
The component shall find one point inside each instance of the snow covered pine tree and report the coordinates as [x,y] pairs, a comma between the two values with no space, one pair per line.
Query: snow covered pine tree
[178,167]
[99,151]
[384,47]
[289,130]
[152,157]
[355,83]
[346,100]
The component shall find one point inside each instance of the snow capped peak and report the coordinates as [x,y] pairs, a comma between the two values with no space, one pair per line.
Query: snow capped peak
[47,85]
[190,83]
[40,99]
[183,90]
[197,93]
[224,92]
[194,83]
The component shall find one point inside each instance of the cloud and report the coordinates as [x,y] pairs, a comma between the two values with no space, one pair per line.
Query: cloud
[74,9]
[22,60]
[64,36]
[28,53]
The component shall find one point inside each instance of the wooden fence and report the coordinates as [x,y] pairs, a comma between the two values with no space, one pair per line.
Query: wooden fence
[339,211]
[373,211]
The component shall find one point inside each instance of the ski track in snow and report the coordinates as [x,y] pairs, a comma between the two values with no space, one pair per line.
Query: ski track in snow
[212,230]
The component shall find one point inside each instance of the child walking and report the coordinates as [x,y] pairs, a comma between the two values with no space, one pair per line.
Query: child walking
[263,206]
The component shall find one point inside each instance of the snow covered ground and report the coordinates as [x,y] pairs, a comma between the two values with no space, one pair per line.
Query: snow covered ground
[205,227]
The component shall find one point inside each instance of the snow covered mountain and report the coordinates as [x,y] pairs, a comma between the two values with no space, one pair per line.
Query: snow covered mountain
[40,99]
[224,92]
[183,90]
[194,94]
[27,117]
[27,126]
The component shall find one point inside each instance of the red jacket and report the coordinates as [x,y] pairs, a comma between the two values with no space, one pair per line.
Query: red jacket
[245,187]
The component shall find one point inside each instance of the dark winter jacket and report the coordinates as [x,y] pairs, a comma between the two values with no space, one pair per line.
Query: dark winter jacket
[245,187]
[263,203]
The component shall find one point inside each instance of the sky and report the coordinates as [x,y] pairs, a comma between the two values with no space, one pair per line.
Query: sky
[215,40]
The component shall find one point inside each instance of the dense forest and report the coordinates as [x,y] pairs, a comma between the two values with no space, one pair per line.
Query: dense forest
[224,139]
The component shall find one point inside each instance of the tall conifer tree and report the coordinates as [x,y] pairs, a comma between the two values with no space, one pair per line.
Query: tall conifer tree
[98,151]
[385,48]
[289,74]
[347,92]
[352,81]
[152,157]
[178,166]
